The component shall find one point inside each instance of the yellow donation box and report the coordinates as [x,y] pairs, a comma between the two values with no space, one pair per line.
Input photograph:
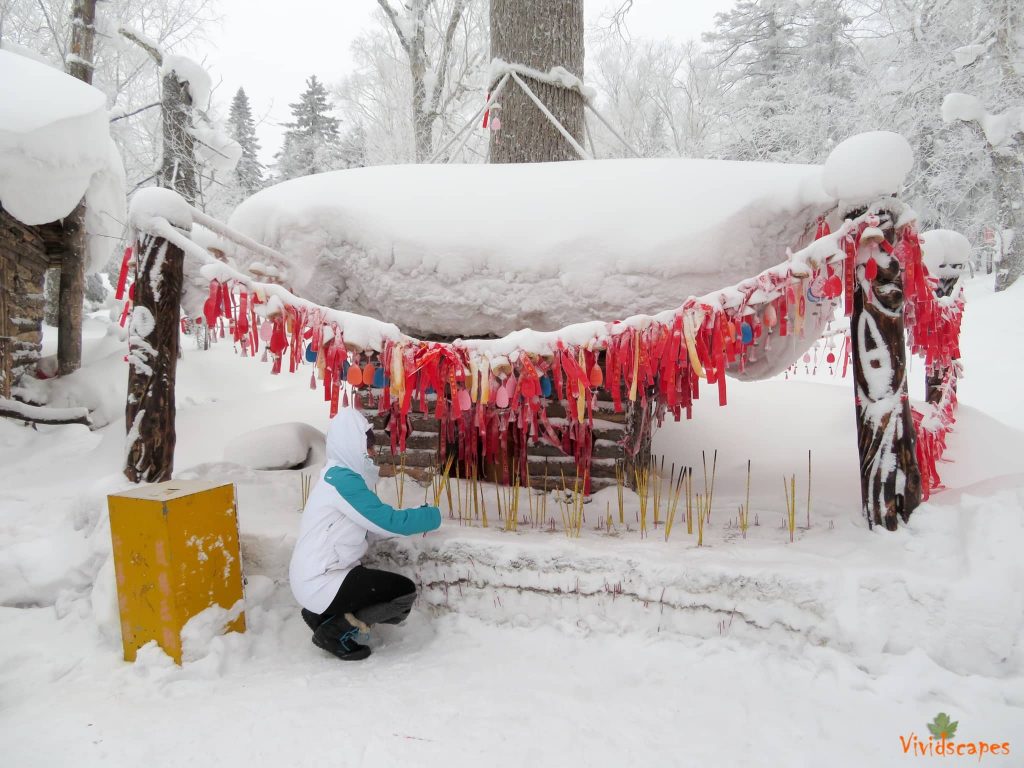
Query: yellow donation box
[175,555]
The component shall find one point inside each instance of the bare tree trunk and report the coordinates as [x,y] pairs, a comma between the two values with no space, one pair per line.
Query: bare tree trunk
[72,293]
[1008,163]
[153,359]
[889,474]
[412,35]
[72,269]
[1008,160]
[178,166]
[540,34]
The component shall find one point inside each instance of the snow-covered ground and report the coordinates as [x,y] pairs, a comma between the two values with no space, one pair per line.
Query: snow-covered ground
[531,647]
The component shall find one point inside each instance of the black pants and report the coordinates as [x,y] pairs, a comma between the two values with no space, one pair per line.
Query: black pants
[390,595]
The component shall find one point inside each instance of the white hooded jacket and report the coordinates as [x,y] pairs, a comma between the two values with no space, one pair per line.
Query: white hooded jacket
[341,510]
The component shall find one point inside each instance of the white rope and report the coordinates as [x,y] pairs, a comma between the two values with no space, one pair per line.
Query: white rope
[472,121]
[608,125]
[554,120]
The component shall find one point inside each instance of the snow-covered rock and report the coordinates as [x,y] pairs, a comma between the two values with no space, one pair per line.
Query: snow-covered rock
[490,249]
[55,149]
[279,446]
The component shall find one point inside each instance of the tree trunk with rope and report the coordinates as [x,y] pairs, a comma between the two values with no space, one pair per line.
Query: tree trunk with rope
[540,34]
[73,263]
[889,474]
[153,358]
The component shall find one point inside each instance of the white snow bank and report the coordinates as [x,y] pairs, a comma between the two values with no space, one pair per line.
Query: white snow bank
[55,149]
[490,249]
[278,446]
[868,166]
[946,253]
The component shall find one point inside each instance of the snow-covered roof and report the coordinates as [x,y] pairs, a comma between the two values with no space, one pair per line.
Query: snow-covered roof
[490,249]
[55,149]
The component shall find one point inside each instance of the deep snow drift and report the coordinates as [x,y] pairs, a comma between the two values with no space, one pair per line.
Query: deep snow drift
[605,650]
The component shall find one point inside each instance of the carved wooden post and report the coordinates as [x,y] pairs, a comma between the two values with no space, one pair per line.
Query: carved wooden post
[936,380]
[889,475]
[153,359]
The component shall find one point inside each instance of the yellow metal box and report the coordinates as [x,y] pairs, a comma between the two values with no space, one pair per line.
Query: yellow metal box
[175,554]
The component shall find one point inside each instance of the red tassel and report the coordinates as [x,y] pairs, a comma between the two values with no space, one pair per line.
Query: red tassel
[122,276]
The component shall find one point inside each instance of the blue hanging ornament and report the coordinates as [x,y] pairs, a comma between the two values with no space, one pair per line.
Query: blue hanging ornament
[310,354]
[545,386]
[746,333]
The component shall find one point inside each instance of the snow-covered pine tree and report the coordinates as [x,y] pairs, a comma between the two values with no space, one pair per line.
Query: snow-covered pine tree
[311,143]
[819,107]
[248,174]
[754,44]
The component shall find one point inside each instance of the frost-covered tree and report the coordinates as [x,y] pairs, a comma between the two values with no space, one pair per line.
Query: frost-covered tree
[994,105]
[663,97]
[906,49]
[427,32]
[311,143]
[418,77]
[755,46]
[121,69]
[248,174]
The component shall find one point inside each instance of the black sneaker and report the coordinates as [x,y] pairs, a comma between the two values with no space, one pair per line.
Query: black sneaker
[338,637]
[312,619]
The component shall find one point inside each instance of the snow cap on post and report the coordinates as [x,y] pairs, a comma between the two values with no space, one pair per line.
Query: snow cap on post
[946,253]
[867,166]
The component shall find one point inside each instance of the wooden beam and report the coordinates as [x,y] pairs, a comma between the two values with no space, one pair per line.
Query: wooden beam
[37,414]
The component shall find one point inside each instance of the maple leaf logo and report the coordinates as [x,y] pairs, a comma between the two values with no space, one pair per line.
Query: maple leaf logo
[942,728]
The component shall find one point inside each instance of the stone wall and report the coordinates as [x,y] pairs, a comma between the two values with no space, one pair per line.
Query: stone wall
[23,263]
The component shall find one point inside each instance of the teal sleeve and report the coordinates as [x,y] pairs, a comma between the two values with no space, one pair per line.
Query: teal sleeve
[375,514]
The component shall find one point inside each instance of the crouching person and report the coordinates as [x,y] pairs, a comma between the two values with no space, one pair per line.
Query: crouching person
[339,596]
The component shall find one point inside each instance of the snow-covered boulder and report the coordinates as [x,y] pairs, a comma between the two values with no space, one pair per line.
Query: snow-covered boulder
[278,446]
[55,149]
[473,250]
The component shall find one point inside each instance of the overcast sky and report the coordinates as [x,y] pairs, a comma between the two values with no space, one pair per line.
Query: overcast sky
[271,48]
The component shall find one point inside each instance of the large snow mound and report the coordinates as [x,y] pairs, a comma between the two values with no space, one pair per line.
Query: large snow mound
[55,149]
[490,249]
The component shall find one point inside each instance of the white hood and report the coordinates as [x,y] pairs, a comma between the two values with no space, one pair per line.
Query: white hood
[346,440]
